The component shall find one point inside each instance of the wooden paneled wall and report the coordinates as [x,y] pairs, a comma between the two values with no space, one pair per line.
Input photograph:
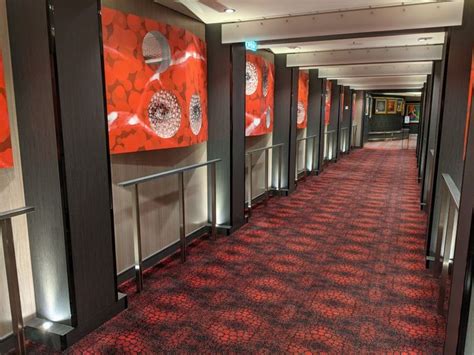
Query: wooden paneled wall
[12,196]
[159,200]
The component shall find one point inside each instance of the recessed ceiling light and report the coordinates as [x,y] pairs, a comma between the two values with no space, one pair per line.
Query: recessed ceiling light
[424,39]
[229,11]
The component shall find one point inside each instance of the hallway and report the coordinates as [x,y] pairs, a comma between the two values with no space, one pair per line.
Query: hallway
[338,267]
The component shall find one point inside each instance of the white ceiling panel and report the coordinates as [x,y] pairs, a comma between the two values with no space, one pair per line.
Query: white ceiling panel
[428,38]
[366,56]
[402,17]
[212,11]
[365,70]
[387,87]
[392,80]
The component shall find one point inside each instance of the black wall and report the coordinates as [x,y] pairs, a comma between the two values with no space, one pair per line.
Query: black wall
[433,137]
[226,112]
[62,124]
[284,127]
[451,151]
[346,115]
[385,123]
[315,117]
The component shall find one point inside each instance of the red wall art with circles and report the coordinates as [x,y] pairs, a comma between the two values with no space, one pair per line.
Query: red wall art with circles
[260,95]
[6,154]
[327,103]
[303,92]
[156,79]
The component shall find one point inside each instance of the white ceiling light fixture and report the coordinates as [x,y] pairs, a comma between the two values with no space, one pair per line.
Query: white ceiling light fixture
[229,10]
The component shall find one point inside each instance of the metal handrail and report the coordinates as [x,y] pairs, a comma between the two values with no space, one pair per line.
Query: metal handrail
[249,155]
[12,274]
[166,173]
[305,139]
[264,148]
[446,234]
[137,240]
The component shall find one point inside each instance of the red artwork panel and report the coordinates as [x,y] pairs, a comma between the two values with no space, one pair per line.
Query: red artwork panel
[260,95]
[303,92]
[6,154]
[328,102]
[156,79]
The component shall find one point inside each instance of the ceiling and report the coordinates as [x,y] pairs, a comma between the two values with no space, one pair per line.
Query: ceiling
[212,11]
[401,58]
[358,43]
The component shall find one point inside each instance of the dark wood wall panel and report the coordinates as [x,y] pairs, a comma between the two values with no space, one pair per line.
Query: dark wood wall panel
[346,113]
[461,44]
[454,109]
[238,134]
[284,128]
[315,118]
[226,105]
[35,108]
[65,160]
[424,132]
[433,134]
[86,158]
[335,116]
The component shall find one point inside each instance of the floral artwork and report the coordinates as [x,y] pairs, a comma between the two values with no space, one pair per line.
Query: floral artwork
[6,154]
[303,92]
[156,84]
[328,102]
[260,95]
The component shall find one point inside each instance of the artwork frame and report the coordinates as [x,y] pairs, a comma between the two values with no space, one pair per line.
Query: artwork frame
[391,106]
[259,95]
[413,110]
[327,103]
[156,84]
[400,105]
[6,152]
[380,106]
[303,98]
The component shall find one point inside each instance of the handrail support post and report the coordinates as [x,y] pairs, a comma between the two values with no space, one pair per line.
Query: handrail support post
[182,216]
[213,201]
[266,176]
[13,285]
[137,239]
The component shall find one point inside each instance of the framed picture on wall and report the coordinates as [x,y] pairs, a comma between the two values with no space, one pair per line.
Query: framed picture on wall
[380,106]
[400,105]
[413,111]
[391,106]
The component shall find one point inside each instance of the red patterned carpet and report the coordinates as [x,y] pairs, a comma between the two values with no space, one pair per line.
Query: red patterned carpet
[337,267]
